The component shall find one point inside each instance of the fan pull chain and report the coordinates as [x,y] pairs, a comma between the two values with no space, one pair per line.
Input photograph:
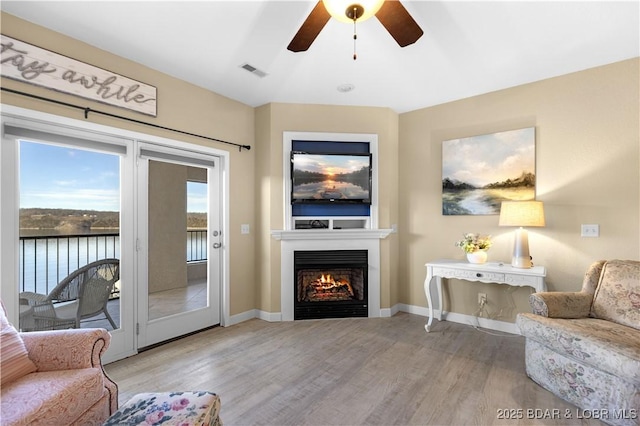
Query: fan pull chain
[355,36]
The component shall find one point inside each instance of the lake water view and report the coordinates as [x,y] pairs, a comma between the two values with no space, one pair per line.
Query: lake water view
[482,201]
[329,189]
[51,255]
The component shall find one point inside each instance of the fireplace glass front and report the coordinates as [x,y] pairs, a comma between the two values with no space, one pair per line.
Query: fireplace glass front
[330,284]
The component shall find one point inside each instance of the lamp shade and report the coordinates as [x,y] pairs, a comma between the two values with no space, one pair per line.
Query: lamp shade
[338,8]
[521,213]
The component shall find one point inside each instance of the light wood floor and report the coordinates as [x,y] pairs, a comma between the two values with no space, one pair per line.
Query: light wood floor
[376,371]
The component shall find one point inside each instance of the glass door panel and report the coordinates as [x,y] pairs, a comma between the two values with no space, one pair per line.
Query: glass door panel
[177,239]
[178,288]
[69,247]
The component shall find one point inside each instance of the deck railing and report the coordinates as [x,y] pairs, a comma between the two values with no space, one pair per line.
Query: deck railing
[196,245]
[46,260]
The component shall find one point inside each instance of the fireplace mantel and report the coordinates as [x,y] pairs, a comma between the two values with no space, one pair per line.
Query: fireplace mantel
[323,239]
[334,234]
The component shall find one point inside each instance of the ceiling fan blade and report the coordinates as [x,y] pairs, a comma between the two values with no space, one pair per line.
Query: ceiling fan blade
[310,29]
[402,27]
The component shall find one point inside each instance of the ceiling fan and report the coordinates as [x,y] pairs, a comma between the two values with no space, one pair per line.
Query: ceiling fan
[391,14]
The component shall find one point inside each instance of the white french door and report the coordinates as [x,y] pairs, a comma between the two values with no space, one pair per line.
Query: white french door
[159,236]
[179,243]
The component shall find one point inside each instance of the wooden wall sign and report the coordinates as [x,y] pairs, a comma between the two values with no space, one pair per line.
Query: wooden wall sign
[30,64]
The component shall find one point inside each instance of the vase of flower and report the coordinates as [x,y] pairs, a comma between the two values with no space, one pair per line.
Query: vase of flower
[475,246]
[478,256]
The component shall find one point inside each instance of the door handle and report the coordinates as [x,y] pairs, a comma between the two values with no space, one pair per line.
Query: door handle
[217,245]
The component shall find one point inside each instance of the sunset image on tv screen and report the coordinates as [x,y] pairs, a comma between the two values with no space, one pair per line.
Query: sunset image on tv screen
[330,177]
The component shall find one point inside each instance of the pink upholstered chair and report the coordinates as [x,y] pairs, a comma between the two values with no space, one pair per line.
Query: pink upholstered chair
[54,377]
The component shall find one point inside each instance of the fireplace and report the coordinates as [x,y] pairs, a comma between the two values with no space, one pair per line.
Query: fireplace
[330,284]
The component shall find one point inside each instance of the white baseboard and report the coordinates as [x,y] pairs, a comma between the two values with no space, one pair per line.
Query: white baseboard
[270,316]
[412,309]
[388,312]
[242,317]
[277,316]
[254,313]
[491,324]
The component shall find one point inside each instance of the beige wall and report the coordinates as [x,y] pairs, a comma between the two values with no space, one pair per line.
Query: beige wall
[587,166]
[181,106]
[587,153]
[274,119]
[167,226]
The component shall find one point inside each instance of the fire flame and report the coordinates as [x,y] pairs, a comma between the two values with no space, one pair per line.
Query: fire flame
[326,287]
[327,282]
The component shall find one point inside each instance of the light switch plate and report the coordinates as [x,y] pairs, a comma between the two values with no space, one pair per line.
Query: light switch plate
[244,228]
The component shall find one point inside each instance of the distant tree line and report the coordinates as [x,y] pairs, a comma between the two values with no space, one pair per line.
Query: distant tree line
[43,218]
[455,185]
[526,179]
[196,220]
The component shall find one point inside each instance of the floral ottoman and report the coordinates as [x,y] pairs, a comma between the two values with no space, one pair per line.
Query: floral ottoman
[170,408]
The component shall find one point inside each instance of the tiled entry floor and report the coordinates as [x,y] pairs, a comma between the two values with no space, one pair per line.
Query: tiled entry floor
[161,304]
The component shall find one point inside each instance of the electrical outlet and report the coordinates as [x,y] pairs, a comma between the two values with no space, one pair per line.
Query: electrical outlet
[592,230]
[482,298]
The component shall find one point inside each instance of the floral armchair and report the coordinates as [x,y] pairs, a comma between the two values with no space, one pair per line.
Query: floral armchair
[585,346]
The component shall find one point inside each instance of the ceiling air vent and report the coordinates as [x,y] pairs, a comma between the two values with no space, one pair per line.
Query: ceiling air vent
[253,70]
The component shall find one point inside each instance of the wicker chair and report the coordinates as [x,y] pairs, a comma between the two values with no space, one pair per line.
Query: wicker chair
[83,294]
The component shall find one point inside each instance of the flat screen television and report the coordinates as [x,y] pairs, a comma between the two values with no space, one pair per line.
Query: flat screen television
[330,178]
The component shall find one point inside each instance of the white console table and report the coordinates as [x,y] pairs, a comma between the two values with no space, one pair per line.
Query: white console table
[500,273]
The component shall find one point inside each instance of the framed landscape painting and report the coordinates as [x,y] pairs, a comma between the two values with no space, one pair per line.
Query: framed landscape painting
[479,172]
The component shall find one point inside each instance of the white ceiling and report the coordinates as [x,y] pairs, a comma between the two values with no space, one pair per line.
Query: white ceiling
[468,48]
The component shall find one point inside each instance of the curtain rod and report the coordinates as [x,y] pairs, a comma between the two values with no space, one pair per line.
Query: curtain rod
[87,110]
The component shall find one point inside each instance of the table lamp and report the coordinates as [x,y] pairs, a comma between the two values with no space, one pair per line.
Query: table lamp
[521,214]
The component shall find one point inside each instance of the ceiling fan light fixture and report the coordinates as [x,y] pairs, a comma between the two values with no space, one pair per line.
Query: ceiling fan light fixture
[341,9]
